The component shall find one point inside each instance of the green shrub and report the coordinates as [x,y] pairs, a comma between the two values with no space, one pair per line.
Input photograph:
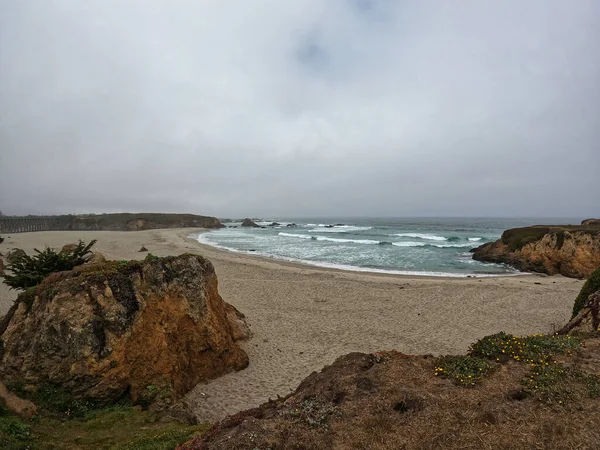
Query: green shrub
[13,427]
[29,271]
[591,285]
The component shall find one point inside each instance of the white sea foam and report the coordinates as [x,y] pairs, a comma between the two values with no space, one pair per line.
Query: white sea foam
[347,241]
[475,239]
[338,229]
[431,237]
[409,244]
[430,244]
[452,245]
[301,236]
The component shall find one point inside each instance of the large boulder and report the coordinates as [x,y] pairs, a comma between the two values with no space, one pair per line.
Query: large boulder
[572,251]
[115,329]
[249,223]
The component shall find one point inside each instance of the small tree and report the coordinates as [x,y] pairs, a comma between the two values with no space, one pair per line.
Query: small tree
[28,271]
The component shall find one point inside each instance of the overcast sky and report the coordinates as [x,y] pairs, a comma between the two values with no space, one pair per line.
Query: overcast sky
[301,107]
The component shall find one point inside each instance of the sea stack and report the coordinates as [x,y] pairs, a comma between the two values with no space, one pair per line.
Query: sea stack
[249,223]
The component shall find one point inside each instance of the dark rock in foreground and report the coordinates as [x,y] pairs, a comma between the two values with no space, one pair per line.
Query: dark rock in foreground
[573,251]
[115,329]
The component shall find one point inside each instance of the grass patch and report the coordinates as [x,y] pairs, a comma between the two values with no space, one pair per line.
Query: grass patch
[164,441]
[113,428]
[553,383]
[464,370]
[14,433]
[502,346]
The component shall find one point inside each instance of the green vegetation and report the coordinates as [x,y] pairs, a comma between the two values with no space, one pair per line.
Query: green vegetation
[114,428]
[502,346]
[550,381]
[464,370]
[67,423]
[517,238]
[150,257]
[591,285]
[29,271]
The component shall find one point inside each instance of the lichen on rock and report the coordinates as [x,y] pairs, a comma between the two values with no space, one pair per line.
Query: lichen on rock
[113,329]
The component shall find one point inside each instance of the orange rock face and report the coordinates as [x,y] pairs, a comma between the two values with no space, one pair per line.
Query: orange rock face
[554,250]
[113,329]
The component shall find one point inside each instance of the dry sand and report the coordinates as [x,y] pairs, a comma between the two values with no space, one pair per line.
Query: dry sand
[304,317]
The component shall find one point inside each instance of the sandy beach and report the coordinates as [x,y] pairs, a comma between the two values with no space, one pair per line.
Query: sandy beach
[304,317]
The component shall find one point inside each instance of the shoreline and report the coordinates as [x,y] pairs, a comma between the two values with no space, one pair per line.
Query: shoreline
[346,268]
[304,317]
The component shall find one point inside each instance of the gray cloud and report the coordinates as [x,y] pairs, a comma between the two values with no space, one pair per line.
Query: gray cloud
[302,107]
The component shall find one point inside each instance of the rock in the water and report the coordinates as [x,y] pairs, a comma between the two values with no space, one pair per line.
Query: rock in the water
[143,249]
[2,267]
[249,223]
[21,407]
[109,330]
[291,225]
[573,251]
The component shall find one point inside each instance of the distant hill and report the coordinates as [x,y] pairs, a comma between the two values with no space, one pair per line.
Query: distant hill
[109,222]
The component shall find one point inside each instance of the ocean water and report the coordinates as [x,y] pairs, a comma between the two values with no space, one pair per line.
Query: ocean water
[434,247]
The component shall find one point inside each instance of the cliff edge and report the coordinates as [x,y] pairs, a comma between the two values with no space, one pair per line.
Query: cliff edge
[572,251]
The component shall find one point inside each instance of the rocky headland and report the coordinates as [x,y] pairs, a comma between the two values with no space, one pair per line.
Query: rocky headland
[572,251]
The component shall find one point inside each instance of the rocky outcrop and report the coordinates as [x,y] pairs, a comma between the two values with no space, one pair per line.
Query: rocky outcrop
[249,223]
[115,329]
[573,251]
[390,400]
[591,222]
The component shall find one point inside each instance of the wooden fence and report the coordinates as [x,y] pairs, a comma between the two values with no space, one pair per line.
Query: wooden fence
[25,224]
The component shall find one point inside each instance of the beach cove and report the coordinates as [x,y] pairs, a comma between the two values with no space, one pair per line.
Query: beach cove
[304,317]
